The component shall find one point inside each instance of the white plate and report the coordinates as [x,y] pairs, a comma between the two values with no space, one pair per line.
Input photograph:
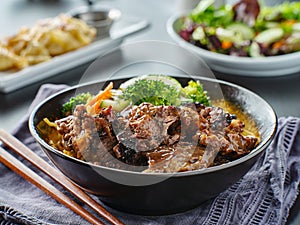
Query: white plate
[234,65]
[10,81]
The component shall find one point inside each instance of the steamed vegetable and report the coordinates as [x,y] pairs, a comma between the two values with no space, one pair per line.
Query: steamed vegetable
[93,105]
[162,90]
[195,92]
[69,106]
[155,89]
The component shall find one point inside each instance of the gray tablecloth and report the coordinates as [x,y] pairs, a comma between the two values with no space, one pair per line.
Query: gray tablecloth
[264,195]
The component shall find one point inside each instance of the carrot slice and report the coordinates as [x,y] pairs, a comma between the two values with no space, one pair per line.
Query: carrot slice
[226,44]
[290,22]
[93,105]
[278,44]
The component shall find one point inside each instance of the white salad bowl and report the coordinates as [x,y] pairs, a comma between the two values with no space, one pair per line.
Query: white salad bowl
[270,66]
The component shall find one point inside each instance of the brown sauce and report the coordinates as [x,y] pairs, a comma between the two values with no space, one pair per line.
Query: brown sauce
[250,124]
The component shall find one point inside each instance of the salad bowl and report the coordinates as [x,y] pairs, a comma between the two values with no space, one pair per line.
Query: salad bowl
[233,64]
[157,193]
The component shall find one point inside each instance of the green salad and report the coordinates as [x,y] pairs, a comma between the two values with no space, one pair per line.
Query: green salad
[248,28]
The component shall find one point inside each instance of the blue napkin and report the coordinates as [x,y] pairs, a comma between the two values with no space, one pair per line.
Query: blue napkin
[264,195]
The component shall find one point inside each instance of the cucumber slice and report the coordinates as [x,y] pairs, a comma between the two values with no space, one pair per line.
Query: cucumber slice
[270,25]
[254,50]
[246,32]
[198,34]
[269,36]
[202,6]
[117,105]
[107,102]
[296,27]
[229,35]
[166,79]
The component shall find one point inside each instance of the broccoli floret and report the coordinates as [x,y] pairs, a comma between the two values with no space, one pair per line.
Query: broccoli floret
[69,106]
[155,92]
[194,91]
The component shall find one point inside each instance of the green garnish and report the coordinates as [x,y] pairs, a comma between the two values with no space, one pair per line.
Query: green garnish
[194,90]
[69,106]
[153,91]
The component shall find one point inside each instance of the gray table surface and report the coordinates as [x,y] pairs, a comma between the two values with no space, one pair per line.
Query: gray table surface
[281,92]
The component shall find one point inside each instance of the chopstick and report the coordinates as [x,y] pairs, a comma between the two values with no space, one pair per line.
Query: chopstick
[22,150]
[17,166]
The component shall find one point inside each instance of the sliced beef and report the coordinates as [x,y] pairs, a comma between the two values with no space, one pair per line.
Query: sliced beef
[91,138]
[156,138]
[221,134]
[170,159]
[146,127]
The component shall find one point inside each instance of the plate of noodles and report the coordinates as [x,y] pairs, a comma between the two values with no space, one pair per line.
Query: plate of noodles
[54,45]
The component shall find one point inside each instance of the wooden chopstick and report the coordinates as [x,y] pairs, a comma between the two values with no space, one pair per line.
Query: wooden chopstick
[18,147]
[18,167]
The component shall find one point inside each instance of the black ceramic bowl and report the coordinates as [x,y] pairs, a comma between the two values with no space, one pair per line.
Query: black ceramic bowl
[157,194]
